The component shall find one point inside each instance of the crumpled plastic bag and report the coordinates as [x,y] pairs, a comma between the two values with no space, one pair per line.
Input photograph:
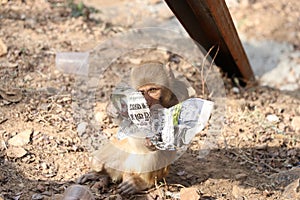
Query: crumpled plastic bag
[167,128]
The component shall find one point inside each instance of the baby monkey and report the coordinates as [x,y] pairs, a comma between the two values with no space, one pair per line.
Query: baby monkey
[135,161]
[155,82]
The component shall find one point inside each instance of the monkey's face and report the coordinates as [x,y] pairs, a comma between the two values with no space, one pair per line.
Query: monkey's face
[152,93]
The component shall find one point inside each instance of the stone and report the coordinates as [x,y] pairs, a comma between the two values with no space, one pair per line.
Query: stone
[3,48]
[16,152]
[189,194]
[240,192]
[21,139]
[272,118]
[78,192]
[100,116]
[235,90]
[28,78]
[296,123]
[240,176]
[37,196]
[285,178]
[291,191]
[2,144]
[81,128]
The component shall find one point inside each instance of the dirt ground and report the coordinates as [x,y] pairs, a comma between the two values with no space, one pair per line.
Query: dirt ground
[256,156]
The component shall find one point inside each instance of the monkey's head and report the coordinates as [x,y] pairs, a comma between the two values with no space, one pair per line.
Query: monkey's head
[154,82]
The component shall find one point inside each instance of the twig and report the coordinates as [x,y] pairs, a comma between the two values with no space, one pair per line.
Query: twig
[245,158]
[211,63]
[202,68]
[203,79]
[177,185]
[2,120]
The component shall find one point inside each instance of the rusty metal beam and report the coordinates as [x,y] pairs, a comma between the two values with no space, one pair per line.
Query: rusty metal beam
[209,23]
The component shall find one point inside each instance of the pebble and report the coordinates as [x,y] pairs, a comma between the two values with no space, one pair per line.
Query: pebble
[285,178]
[2,145]
[189,194]
[272,118]
[78,192]
[180,173]
[37,196]
[81,128]
[239,192]
[235,90]
[291,191]
[16,152]
[100,116]
[21,139]
[3,48]
[40,188]
[28,78]
[240,176]
[296,123]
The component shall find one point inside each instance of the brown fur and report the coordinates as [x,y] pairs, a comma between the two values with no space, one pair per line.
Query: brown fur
[130,160]
[136,174]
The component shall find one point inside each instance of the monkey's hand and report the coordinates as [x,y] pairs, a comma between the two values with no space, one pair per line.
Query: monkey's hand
[91,176]
[150,145]
[131,185]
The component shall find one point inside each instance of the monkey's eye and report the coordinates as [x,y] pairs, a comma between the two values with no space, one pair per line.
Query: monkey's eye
[153,90]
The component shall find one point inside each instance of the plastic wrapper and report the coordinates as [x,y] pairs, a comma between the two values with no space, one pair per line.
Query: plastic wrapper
[175,127]
[167,128]
[73,62]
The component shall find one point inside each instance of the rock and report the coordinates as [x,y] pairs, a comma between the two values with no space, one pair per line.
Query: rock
[100,116]
[28,78]
[21,138]
[40,188]
[235,90]
[37,196]
[296,123]
[181,173]
[240,176]
[285,178]
[81,128]
[2,144]
[239,192]
[291,191]
[272,118]
[3,48]
[189,194]
[78,192]
[16,152]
